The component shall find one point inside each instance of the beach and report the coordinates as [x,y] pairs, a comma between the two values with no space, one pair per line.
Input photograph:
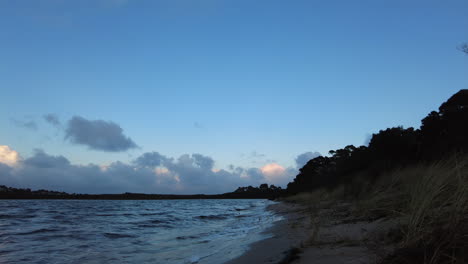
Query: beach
[328,234]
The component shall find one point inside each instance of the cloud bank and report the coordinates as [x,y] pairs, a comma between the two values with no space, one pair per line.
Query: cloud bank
[98,135]
[151,172]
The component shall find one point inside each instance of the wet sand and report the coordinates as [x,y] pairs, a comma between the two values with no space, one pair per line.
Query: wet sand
[286,235]
[326,235]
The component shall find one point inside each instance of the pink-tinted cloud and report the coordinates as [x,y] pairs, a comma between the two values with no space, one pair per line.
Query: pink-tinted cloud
[277,174]
[9,156]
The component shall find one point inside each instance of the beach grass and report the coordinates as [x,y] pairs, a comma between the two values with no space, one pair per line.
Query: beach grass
[428,201]
[432,203]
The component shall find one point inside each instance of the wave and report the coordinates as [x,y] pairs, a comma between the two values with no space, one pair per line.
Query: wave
[213,217]
[155,223]
[155,226]
[149,214]
[37,231]
[186,237]
[126,214]
[241,216]
[117,235]
[171,232]
[107,215]
[7,216]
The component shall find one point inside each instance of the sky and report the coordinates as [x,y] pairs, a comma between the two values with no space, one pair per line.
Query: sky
[203,96]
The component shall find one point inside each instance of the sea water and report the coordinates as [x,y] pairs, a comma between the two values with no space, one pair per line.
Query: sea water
[116,231]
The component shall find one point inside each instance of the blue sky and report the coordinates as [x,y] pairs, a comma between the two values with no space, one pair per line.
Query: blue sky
[247,83]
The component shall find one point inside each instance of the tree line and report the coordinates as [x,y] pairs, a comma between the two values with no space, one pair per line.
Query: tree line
[442,133]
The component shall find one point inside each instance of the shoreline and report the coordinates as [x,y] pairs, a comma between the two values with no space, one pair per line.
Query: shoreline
[328,234]
[286,235]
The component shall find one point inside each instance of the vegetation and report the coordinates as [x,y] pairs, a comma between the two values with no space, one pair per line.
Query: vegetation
[442,134]
[271,190]
[431,202]
[418,176]
[262,192]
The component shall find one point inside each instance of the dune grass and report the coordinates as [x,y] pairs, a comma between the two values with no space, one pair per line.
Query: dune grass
[432,202]
[429,200]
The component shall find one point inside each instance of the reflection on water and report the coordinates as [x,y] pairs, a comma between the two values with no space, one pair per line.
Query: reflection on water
[97,231]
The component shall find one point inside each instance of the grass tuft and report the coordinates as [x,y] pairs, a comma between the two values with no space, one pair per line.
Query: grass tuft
[432,203]
[429,200]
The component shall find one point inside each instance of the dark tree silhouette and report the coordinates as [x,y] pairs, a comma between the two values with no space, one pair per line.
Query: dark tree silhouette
[446,131]
[263,191]
[442,134]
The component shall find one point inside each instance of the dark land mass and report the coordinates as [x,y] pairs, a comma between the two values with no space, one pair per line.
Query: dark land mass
[443,134]
[262,192]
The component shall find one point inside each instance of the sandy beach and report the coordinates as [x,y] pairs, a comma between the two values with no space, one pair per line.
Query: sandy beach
[329,234]
[286,234]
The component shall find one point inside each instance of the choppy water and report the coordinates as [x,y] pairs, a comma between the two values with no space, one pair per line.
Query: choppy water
[101,231]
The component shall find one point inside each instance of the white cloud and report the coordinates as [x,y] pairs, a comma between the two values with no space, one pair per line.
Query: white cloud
[9,156]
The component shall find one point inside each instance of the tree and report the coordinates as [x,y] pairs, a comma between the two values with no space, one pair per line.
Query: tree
[263,187]
[395,145]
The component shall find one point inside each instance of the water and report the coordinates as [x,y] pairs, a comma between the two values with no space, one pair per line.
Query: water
[101,231]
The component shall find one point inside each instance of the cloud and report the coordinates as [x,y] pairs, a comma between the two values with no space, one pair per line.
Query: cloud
[42,160]
[151,172]
[277,174]
[367,140]
[98,135]
[151,160]
[28,124]
[5,171]
[272,169]
[52,119]
[303,158]
[44,171]
[196,172]
[8,156]
[255,174]
[204,162]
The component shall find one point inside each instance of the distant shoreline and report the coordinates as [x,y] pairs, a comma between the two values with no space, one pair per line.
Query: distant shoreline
[8,193]
[129,199]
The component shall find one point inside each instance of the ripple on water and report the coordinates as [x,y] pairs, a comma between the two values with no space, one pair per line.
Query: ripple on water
[117,235]
[15,216]
[37,231]
[213,217]
[169,232]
